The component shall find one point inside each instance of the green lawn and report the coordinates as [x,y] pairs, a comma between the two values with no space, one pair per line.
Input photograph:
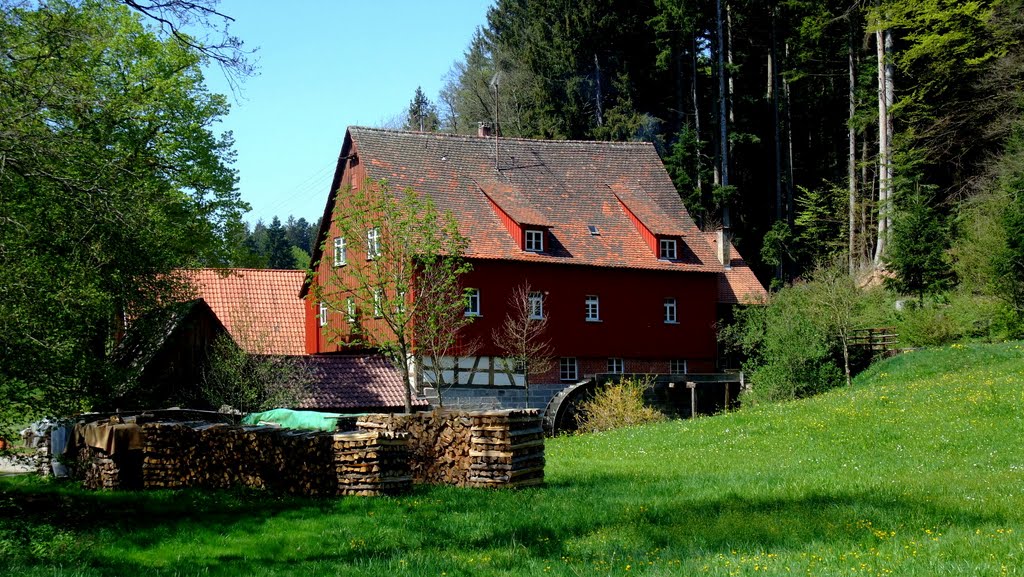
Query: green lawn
[916,470]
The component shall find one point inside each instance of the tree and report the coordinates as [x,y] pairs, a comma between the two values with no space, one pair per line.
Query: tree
[837,301]
[279,250]
[249,382]
[111,179]
[523,335]
[422,113]
[408,287]
[917,252]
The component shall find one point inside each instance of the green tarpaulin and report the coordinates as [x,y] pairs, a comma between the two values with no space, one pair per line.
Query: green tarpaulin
[290,419]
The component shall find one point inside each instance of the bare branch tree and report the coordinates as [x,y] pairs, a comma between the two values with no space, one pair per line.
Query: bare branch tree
[522,337]
[403,275]
[220,46]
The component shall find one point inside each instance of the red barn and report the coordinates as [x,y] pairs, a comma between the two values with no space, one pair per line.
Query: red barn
[629,283]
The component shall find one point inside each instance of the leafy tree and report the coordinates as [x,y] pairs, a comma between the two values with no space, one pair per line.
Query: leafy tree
[405,299]
[789,352]
[250,382]
[836,301]
[111,181]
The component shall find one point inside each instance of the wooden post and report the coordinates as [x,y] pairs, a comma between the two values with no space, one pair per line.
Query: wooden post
[693,399]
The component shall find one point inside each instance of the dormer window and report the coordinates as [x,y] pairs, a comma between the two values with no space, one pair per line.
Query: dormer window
[667,249]
[534,240]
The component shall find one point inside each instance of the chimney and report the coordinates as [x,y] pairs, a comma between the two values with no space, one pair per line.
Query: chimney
[483,129]
[724,241]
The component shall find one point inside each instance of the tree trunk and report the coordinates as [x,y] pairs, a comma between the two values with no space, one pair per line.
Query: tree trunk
[788,122]
[883,45]
[696,117]
[723,113]
[852,161]
[846,359]
[773,99]
[597,97]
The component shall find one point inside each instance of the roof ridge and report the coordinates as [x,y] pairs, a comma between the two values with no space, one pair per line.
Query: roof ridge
[235,268]
[439,135]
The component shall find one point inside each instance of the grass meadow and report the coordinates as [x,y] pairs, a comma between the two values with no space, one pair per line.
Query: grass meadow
[918,469]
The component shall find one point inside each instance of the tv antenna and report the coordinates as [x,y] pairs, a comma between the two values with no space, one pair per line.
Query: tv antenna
[495,81]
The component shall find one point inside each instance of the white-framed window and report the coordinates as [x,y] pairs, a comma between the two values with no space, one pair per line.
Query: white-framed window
[372,243]
[671,316]
[616,366]
[340,254]
[667,248]
[536,305]
[593,308]
[323,314]
[350,309]
[678,367]
[378,303]
[472,302]
[534,240]
[567,369]
[400,305]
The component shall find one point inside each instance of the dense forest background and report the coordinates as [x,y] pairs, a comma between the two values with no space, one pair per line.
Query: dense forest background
[873,132]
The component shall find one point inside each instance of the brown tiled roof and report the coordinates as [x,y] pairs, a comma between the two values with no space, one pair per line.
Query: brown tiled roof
[365,382]
[737,284]
[508,200]
[260,308]
[566,184]
[648,212]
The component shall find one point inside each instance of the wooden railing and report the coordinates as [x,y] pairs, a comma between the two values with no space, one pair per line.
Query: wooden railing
[879,340]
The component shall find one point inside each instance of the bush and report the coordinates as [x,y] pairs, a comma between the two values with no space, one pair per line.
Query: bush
[927,326]
[791,353]
[616,405]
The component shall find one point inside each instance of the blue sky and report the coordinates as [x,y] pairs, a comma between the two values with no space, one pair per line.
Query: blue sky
[324,66]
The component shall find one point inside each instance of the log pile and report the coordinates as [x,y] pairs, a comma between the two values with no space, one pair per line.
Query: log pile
[214,455]
[507,449]
[438,443]
[470,449]
[99,470]
[375,463]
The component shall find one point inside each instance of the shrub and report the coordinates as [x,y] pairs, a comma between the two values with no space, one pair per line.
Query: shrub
[927,326]
[791,353]
[616,405]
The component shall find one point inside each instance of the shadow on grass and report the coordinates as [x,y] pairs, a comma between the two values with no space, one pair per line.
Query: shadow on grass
[601,517]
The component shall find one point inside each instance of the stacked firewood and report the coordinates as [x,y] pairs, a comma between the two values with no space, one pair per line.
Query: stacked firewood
[99,470]
[214,455]
[493,448]
[375,463]
[439,443]
[507,449]
[169,454]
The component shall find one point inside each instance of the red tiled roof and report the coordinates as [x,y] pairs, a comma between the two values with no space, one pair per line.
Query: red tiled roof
[649,213]
[566,184]
[505,196]
[355,382]
[737,284]
[260,308]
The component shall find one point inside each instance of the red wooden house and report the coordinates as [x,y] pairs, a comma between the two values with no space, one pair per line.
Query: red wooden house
[629,282]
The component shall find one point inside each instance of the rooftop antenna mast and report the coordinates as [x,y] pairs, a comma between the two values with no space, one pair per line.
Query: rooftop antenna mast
[495,80]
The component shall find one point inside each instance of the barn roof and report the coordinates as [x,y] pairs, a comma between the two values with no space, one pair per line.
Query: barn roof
[562,185]
[362,381]
[738,284]
[260,308]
